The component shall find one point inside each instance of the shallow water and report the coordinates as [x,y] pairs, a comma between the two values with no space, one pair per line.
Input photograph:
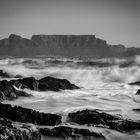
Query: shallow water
[102,87]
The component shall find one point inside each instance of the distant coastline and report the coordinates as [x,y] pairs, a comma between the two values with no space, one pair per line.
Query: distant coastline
[77,46]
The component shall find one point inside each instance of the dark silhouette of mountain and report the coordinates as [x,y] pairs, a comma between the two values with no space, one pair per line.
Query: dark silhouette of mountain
[63,45]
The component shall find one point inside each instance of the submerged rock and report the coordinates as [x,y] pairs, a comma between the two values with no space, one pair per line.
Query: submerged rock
[6,75]
[18,76]
[21,114]
[100,118]
[23,132]
[66,131]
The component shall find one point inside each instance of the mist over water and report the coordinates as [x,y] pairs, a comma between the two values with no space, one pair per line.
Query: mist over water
[103,85]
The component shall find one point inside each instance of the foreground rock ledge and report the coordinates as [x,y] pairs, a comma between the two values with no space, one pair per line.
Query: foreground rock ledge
[100,118]
[69,132]
[50,124]
[25,115]
[23,132]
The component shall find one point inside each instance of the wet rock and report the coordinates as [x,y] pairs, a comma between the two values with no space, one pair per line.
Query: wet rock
[137,83]
[137,110]
[90,117]
[2,96]
[8,89]
[8,92]
[5,122]
[23,132]
[21,114]
[64,131]
[50,83]
[44,84]
[100,118]
[17,84]
[138,92]
[29,82]
[18,76]
[4,74]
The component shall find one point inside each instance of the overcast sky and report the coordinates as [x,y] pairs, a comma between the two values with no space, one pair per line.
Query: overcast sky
[117,21]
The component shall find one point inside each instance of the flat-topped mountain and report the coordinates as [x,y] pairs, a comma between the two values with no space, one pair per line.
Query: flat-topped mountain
[63,45]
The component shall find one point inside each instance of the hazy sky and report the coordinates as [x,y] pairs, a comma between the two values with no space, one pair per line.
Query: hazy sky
[117,21]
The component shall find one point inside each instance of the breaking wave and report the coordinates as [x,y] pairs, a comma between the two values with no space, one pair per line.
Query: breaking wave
[103,85]
[79,71]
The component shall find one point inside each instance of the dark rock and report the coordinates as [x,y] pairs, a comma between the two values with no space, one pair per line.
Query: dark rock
[23,132]
[44,84]
[137,110]
[30,82]
[8,92]
[18,84]
[137,83]
[138,92]
[8,88]
[2,96]
[50,83]
[91,117]
[18,76]
[4,74]
[22,94]
[64,131]
[97,118]
[5,122]
[21,114]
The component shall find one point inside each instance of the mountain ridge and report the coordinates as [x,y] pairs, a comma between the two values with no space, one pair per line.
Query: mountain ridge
[63,45]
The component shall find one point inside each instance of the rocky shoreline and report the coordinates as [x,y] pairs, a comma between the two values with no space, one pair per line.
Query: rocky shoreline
[25,115]
[8,89]
[24,132]
[9,115]
[93,118]
[31,124]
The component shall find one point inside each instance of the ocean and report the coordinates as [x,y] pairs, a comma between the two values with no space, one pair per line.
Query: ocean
[104,85]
